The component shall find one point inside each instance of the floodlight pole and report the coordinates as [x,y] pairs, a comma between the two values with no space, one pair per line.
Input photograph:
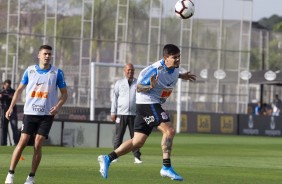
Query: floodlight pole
[92,92]
[263,63]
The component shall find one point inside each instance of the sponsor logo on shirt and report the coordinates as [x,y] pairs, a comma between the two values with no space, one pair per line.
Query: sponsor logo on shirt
[38,108]
[39,94]
[166,93]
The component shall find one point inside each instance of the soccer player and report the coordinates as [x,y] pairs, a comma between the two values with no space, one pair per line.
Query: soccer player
[123,109]
[41,105]
[154,85]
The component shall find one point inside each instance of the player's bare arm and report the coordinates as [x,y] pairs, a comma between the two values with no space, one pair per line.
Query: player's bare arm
[64,95]
[153,83]
[187,76]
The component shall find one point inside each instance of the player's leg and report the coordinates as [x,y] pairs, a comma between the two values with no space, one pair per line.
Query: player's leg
[27,130]
[142,131]
[16,157]
[135,143]
[18,150]
[45,124]
[37,154]
[168,132]
[132,144]
[39,139]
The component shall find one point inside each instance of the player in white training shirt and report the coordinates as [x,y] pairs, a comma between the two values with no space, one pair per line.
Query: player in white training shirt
[42,104]
[154,85]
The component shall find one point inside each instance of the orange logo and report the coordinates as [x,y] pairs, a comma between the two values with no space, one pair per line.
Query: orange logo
[166,93]
[39,94]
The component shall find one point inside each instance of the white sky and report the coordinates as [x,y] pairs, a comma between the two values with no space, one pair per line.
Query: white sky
[233,9]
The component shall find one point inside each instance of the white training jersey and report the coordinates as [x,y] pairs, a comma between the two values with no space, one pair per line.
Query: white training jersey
[167,79]
[124,98]
[41,91]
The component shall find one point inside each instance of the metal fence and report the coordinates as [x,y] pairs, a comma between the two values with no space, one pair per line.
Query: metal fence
[217,48]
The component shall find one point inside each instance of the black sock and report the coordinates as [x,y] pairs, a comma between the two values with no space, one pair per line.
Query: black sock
[31,174]
[166,162]
[112,156]
[11,171]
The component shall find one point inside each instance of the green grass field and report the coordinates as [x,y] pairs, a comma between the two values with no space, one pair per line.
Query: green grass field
[200,159]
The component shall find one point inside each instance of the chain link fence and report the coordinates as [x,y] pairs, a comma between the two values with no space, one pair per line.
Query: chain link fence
[216,49]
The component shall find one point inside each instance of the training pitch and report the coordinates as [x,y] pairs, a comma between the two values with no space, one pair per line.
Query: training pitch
[199,158]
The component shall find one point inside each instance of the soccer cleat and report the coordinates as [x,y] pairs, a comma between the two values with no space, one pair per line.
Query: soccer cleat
[104,162]
[9,179]
[137,161]
[115,160]
[29,180]
[169,172]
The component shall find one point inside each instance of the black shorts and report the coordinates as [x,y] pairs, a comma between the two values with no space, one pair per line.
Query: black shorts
[149,116]
[35,124]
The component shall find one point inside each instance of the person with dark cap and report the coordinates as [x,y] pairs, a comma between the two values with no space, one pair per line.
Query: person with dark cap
[6,95]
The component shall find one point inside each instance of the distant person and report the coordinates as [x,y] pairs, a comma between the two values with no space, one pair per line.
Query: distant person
[6,95]
[267,109]
[154,85]
[278,104]
[41,105]
[123,109]
[258,109]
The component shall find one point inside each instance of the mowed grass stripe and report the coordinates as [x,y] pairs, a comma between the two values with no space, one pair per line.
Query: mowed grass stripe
[199,158]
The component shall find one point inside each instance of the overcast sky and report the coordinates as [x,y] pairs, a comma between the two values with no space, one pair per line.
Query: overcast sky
[233,9]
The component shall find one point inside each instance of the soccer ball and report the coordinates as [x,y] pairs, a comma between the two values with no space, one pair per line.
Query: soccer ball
[184,9]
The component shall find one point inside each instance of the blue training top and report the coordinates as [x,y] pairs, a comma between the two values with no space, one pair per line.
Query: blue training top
[167,79]
[61,83]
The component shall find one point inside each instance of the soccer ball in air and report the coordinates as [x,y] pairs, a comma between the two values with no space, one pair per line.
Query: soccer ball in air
[184,9]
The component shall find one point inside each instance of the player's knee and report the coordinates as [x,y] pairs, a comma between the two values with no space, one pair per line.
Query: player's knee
[38,143]
[138,145]
[170,132]
[21,145]
[37,147]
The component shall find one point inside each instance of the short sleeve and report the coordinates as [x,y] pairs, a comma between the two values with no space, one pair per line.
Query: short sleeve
[61,83]
[24,80]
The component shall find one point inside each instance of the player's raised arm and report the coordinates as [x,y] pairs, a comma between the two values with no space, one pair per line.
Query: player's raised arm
[148,81]
[187,76]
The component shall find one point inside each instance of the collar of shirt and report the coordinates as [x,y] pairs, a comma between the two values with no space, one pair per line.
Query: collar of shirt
[42,71]
[169,70]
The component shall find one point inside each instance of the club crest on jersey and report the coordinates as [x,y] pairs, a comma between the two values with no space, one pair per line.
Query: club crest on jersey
[164,115]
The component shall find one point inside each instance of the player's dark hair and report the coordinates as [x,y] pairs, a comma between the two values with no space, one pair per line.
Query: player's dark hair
[8,81]
[48,47]
[170,49]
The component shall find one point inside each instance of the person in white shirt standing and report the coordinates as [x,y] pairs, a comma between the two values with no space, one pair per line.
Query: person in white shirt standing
[123,109]
[42,104]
